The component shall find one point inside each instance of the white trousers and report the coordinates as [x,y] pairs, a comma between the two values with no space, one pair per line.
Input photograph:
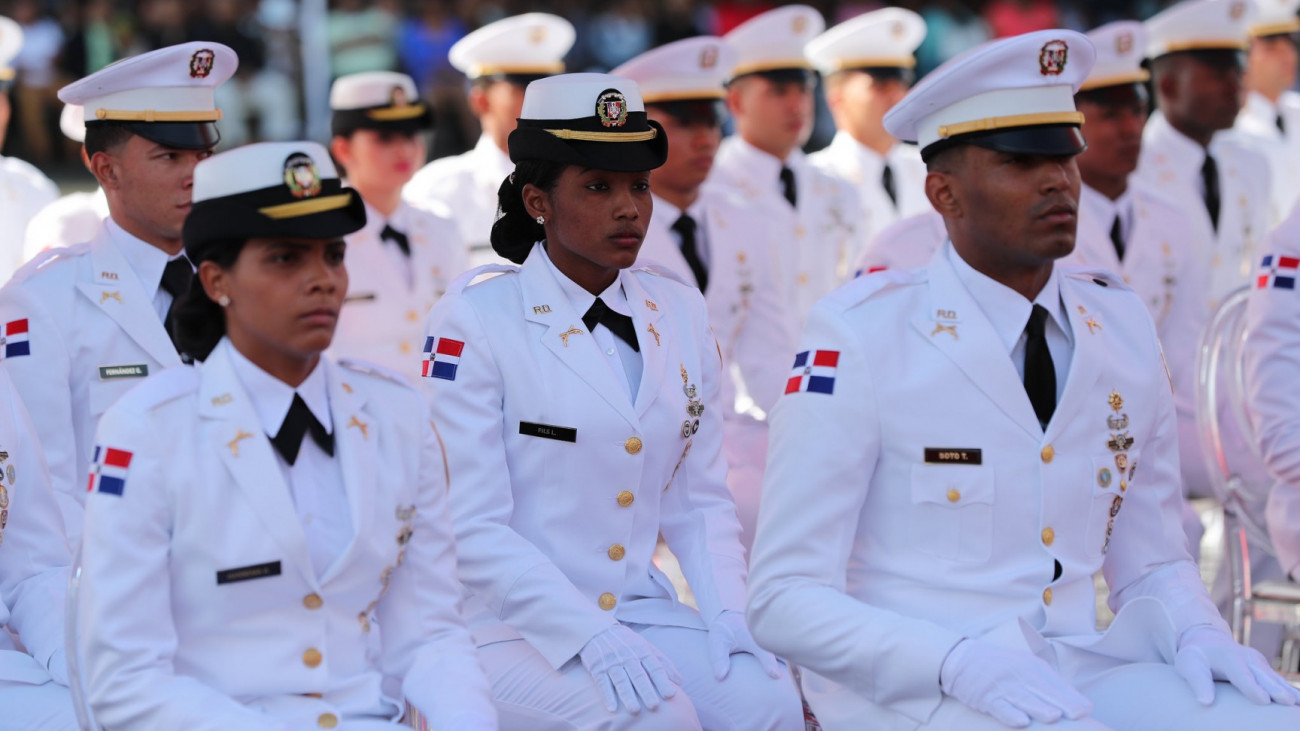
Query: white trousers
[27,707]
[532,696]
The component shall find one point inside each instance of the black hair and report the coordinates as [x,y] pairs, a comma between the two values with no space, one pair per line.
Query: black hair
[199,322]
[105,138]
[515,232]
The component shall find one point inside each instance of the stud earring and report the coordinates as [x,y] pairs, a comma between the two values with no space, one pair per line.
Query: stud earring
[224,300]
[541,220]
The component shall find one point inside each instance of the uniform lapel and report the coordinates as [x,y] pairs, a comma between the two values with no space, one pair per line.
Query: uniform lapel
[957,326]
[651,338]
[113,287]
[356,436]
[232,429]
[1085,366]
[563,333]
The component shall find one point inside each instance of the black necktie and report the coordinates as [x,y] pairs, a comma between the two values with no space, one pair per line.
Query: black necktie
[887,182]
[685,227]
[1117,238]
[787,185]
[1281,124]
[397,237]
[1040,372]
[298,422]
[1210,176]
[176,279]
[620,325]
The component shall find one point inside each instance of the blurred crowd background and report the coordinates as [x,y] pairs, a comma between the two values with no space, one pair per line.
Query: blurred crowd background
[67,39]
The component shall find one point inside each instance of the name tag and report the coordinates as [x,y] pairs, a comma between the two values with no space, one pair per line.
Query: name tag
[114,372]
[247,573]
[953,455]
[547,431]
[369,297]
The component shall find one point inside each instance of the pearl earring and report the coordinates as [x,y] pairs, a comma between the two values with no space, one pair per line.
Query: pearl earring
[540,220]
[224,300]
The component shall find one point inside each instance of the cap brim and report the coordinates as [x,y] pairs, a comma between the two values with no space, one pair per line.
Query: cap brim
[534,143]
[181,135]
[782,76]
[1114,95]
[1224,58]
[345,122]
[1047,139]
[709,111]
[239,218]
[520,80]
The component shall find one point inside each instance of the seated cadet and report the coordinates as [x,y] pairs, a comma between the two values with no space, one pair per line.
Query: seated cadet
[722,246]
[33,577]
[252,519]
[983,435]
[404,258]
[579,403]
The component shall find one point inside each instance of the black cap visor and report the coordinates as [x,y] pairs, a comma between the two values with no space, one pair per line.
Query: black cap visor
[534,139]
[269,213]
[180,135]
[688,111]
[1127,95]
[1217,58]
[1047,139]
[884,74]
[520,80]
[805,77]
[346,121]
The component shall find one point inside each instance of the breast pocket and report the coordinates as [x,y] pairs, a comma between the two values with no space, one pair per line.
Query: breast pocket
[952,511]
[1109,486]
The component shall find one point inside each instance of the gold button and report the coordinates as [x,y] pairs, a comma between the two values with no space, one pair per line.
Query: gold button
[1047,597]
[954,495]
[1123,485]
[626,498]
[632,445]
[311,658]
[1048,453]
[607,601]
[1049,535]
[327,720]
[412,316]
[312,601]
[616,552]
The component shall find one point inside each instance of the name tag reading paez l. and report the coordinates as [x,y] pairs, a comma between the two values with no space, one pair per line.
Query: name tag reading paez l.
[548,431]
[953,455]
[247,573]
[114,372]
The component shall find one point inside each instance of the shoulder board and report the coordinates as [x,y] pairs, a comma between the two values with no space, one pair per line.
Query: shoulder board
[373,369]
[48,256]
[1098,277]
[866,286]
[464,280]
[659,270]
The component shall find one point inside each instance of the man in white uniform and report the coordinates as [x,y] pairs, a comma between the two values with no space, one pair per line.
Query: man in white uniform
[499,59]
[402,260]
[84,324]
[817,218]
[867,65]
[982,436]
[1271,115]
[713,241]
[24,190]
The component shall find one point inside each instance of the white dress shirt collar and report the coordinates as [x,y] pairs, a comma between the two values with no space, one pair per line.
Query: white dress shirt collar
[1006,309]
[272,397]
[145,259]
[581,299]
[1103,210]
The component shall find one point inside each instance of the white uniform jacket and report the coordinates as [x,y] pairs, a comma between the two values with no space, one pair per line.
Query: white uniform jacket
[33,552]
[464,188]
[818,242]
[747,311]
[1272,360]
[382,320]
[1171,163]
[561,484]
[905,244]
[941,509]
[24,190]
[1257,124]
[73,219]
[200,607]
[863,168]
[92,334]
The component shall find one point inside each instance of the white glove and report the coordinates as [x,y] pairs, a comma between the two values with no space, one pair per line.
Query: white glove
[1013,686]
[626,667]
[1206,654]
[729,635]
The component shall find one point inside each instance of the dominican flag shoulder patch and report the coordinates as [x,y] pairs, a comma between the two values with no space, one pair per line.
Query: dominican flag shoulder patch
[1278,272]
[442,358]
[108,470]
[15,339]
[814,372]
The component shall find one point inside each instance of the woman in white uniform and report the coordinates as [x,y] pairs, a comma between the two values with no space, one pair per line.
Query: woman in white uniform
[579,402]
[267,540]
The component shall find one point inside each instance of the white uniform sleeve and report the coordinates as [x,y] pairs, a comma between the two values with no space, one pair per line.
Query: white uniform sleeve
[813,495]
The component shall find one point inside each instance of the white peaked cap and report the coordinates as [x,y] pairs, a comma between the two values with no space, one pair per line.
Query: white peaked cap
[11,42]
[882,38]
[172,84]
[1199,25]
[775,40]
[72,122]
[254,167]
[1024,81]
[532,43]
[1275,17]
[573,96]
[1120,49]
[370,89]
[692,68]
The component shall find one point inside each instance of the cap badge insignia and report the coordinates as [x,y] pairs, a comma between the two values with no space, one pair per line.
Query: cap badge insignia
[1123,43]
[799,24]
[709,57]
[1237,10]
[898,30]
[1052,58]
[537,34]
[398,97]
[300,175]
[611,107]
[201,63]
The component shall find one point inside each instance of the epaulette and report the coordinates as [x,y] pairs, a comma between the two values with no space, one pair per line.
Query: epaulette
[38,262]
[374,369]
[862,288]
[659,270]
[1099,277]
[469,277]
